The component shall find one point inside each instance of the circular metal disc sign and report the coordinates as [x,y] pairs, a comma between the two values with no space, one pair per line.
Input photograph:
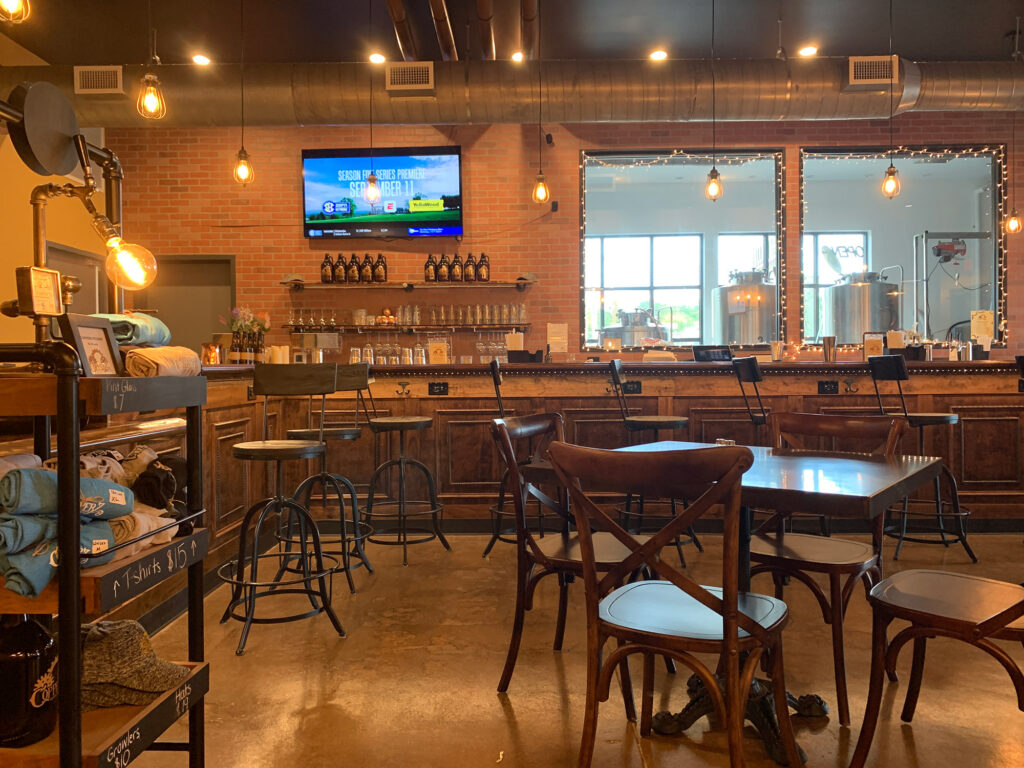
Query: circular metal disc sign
[44,138]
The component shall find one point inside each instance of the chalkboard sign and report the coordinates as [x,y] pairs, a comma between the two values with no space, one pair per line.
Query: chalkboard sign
[137,575]
[131,394]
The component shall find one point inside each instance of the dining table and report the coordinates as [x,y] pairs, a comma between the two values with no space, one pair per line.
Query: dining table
[855,486]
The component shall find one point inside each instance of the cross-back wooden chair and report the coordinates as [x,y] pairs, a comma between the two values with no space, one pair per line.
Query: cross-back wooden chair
[845,562]
[969,608]
[675,616]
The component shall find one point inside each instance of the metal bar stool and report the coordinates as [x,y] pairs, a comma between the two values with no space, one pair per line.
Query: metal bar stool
[348,533]
[314,567]
[894,368]
[644,422]
[399,509]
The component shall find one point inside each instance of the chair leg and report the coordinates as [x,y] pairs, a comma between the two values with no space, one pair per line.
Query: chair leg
[693,537]
[903,529]
[496,518]
[838,655]
[916,673]
[647,696]
[594,643]
[793,757]
[563,607]
[522,577]
[626,683]
[879,624]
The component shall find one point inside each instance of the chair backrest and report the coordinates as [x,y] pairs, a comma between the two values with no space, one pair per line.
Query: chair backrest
[863,434]
[496,379]
[294,379]
[355,377]
[615,366]
[710,477]
[747,370]
[889,368]
[541,430]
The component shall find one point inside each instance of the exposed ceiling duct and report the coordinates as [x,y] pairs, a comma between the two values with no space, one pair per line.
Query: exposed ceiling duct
[485,26]
[403,29]
[529,28]
[443,26]
[574,92]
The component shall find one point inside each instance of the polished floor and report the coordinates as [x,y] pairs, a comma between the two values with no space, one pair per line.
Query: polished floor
[413,684]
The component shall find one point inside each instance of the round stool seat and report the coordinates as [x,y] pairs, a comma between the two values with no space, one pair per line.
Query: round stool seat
[656,421]
[931,419]
[400,423]
[278,450]
[330,433]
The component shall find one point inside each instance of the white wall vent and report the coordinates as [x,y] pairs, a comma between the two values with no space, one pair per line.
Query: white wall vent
[410,76]
[89,80]
[873,71]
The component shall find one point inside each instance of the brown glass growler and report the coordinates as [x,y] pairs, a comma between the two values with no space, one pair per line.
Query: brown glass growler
[430,269]
[455,271]
[469,270]
[28,679]
[380,269]
[326,269]
[352,271]
[338,272]
[443,269]
[366,270]
[483,269]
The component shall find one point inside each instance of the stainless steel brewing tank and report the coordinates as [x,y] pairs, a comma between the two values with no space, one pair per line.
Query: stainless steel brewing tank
[745,313]
[862,302]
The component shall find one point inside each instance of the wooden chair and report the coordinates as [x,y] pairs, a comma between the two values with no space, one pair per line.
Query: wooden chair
[937,604]
[844,562]
[675,617]
[536,558]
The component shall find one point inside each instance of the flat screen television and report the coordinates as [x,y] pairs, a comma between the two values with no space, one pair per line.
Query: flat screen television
[421,192]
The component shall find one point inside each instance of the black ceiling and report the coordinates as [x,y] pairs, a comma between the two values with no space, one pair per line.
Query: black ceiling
[115,31]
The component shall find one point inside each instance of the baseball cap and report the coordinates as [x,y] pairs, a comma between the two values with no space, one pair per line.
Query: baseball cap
[119,653]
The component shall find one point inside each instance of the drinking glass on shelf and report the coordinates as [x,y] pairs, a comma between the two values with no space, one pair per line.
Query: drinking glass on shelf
[368,353]
[416,315]
[522,313]
[442,317]
[481,350]
[380,355]
[407,356]
[291,316]
[419,354]
[506,314]
[354,355]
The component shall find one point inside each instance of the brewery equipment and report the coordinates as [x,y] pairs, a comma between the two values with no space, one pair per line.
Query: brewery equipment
[745,311]
[634,328]
[861,302]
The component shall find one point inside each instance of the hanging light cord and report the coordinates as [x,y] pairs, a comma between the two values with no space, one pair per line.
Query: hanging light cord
[714,104]
[241,66]
[370,37]
[892,77]
[540,101]
[153,58]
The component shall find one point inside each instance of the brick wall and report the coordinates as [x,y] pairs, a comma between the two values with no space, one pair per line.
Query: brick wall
[179,197]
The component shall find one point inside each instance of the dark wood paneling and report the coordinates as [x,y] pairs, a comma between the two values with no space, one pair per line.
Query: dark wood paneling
[468,461]
[710,423]
[231,492]
[987,449]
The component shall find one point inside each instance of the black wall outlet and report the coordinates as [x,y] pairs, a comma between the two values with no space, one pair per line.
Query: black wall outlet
[437,387]
[828,387]
[632,387]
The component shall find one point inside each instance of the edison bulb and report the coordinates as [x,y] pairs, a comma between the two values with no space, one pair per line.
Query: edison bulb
[891,182]
[371,192]
[151,104]
[713,189]
[243,171]
[541,193]
[128,265]
[1013,224]
[15,11]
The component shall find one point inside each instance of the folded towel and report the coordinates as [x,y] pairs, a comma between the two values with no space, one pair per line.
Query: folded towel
[18,461]
[141,329]
[163,361]
[27,573]
[19,532]
[103,467]
[34,492]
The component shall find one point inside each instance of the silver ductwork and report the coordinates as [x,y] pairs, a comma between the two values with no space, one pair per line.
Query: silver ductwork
[574,92]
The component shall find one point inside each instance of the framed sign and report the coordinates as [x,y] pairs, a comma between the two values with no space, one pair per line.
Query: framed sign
[93,339]
[38,291]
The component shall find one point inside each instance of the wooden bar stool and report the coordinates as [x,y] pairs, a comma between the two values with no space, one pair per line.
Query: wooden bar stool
[400,508]
[894,368]
[314,568]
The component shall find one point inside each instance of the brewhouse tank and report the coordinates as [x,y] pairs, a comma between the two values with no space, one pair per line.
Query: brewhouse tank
[746,311]
[862,302]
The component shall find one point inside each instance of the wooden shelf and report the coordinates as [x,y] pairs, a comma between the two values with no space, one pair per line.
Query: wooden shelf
[519,285]
[114,736]
[107,586]
[36,394]
[482,328]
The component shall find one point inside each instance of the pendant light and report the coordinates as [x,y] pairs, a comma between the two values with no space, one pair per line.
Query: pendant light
[541,193]
[891,181]
[371,192]
[15,11]
[243,171]
[151,104]
[713,189]
[1013,224]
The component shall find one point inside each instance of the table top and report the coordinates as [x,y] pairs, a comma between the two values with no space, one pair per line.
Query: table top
[835,484]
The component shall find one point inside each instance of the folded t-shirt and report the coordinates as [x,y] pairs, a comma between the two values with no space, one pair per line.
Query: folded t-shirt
[34,492]
[140,329]
[28,572]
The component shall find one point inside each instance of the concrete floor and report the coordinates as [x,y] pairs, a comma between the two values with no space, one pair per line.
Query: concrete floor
[414,682]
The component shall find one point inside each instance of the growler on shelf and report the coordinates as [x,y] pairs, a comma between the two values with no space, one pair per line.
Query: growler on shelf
[326,269]
[430,269]
[469,270]
[366,270]
[28,679]
[380,270]
[352,271]
[443,269]
[483,269]
[455,271]
[338,271]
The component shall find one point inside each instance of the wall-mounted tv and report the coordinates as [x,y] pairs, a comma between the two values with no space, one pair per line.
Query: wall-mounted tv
[421,192]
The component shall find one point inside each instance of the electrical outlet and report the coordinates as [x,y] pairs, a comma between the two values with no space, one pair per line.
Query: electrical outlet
[828,387]
[631,387]
[437,387]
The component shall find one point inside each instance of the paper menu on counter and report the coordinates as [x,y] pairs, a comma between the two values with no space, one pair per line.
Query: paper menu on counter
[558,337]
[982,323]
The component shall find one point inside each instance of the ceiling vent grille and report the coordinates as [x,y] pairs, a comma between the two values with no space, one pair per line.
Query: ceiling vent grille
[872,71]
[410,76]
[89,80]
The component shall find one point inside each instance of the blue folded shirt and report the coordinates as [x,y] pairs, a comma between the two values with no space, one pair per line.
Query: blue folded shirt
[34,492]
[27,573]
[139,330]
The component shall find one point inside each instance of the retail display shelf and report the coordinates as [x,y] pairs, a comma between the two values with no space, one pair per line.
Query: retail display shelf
[519,285]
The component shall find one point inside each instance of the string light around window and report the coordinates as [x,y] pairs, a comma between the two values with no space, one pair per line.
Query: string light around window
[891,181]
[713,189]
[151,104]
[243,172]
[15,11]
